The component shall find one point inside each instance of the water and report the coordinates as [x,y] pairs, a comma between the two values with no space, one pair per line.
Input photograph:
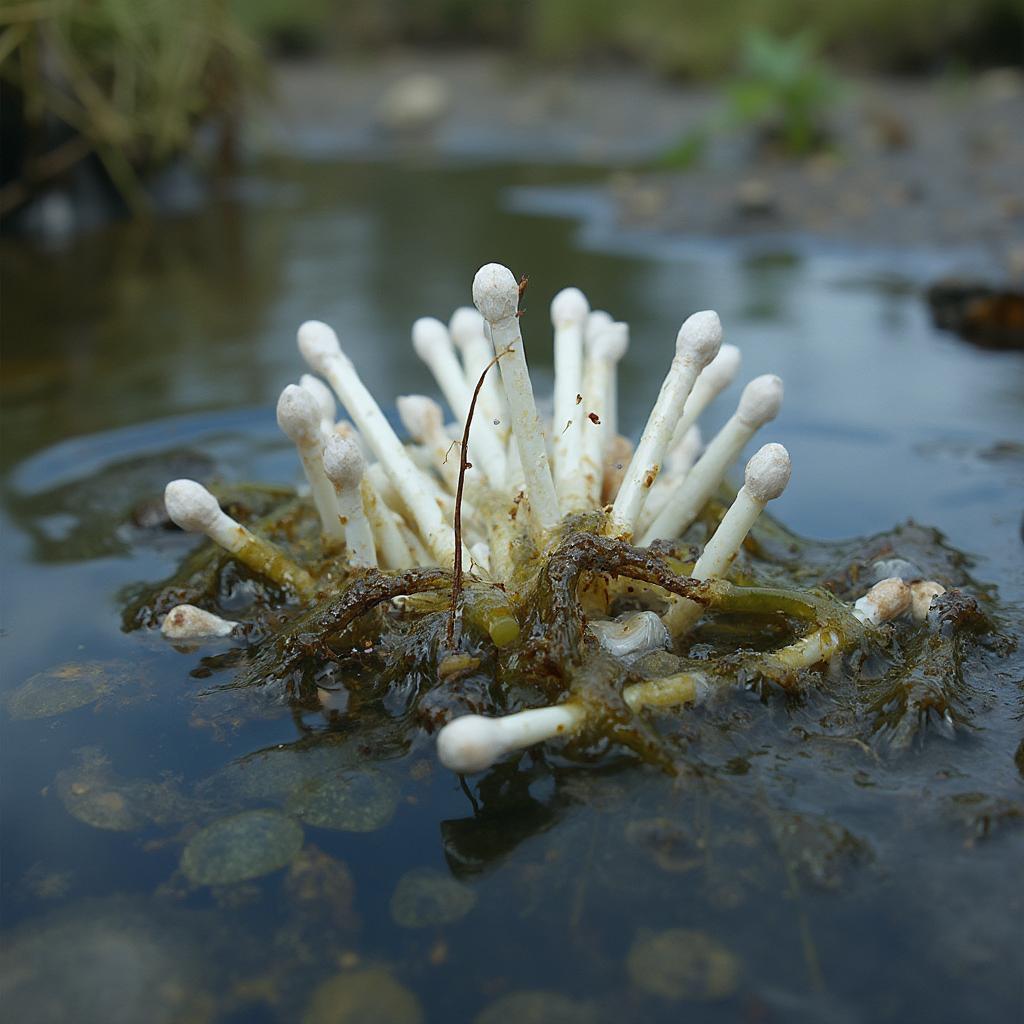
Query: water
[841,885]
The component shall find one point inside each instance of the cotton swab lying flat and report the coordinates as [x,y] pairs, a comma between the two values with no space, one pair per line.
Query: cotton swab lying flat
[569,312]
[759,403]
[324,400]
[713,380]
[606,343]
[496,295]
[345,466]
[474,743]
[434,346]
[766,477]
[298,415]
[187,622]
[192,507]
[319,347]
[922,593]
[469,335]
[886,600]
[631,635]
[696,345]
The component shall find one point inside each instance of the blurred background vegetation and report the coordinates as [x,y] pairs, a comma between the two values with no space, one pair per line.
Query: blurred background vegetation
[692,38]
[124,84]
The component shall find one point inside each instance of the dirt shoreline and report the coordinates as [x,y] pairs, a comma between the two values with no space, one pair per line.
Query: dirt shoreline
[914,163]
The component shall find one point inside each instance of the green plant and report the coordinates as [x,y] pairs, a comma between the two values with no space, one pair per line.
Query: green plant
[129,79]
[784,90]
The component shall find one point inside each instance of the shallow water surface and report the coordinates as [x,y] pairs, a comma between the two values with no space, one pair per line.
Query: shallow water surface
[174,851]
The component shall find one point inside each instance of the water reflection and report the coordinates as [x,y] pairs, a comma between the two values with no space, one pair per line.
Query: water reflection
[785,830]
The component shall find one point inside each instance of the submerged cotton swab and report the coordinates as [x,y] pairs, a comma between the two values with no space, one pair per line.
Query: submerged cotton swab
[187,622]
[319,347]
[496,295]
[299,417]
[759,403]
[473,743]
[696,345]
[434,346]
[345,466]
[569,312]
[766,477]
[192,507]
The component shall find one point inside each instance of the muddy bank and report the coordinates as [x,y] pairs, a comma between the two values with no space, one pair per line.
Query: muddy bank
[915,164]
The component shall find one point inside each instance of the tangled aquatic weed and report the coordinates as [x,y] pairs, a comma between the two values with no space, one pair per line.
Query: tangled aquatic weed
[508,578]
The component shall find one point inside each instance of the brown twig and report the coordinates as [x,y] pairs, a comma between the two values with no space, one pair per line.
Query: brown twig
[464,464]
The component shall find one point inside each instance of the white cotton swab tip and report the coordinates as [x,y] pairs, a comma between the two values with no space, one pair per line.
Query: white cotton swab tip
[768,473]
[343,462]
[318,344]
[298,415]
[191,506]
[428,334]
[469,744]
[761,400]
[495,292]
[473,743]
[569,307]
[700,337]
[420,415]
[187,622]
[465,326]
[886,600]
[718,374]
[323,396]
[922,593]
[608,341]
[597,319]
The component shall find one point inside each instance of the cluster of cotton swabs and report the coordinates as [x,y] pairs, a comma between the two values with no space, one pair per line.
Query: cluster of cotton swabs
[396,512]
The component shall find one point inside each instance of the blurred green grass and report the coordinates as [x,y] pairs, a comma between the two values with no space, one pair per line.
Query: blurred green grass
[696,38]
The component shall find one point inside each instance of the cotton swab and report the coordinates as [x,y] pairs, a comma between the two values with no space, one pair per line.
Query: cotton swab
[324,399]
[473,743]
[922,593]
[886,600]
[496,295]
[569,312]
[434,346]
[187,622]
[631,635]
[345,466]
[713,380]
[759,403]
[299,417]
[319,347]
[596,323]
[606,344]
[424,419]
[469,335]
[679,460]
[192,507]
[766,477]
[696,345]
